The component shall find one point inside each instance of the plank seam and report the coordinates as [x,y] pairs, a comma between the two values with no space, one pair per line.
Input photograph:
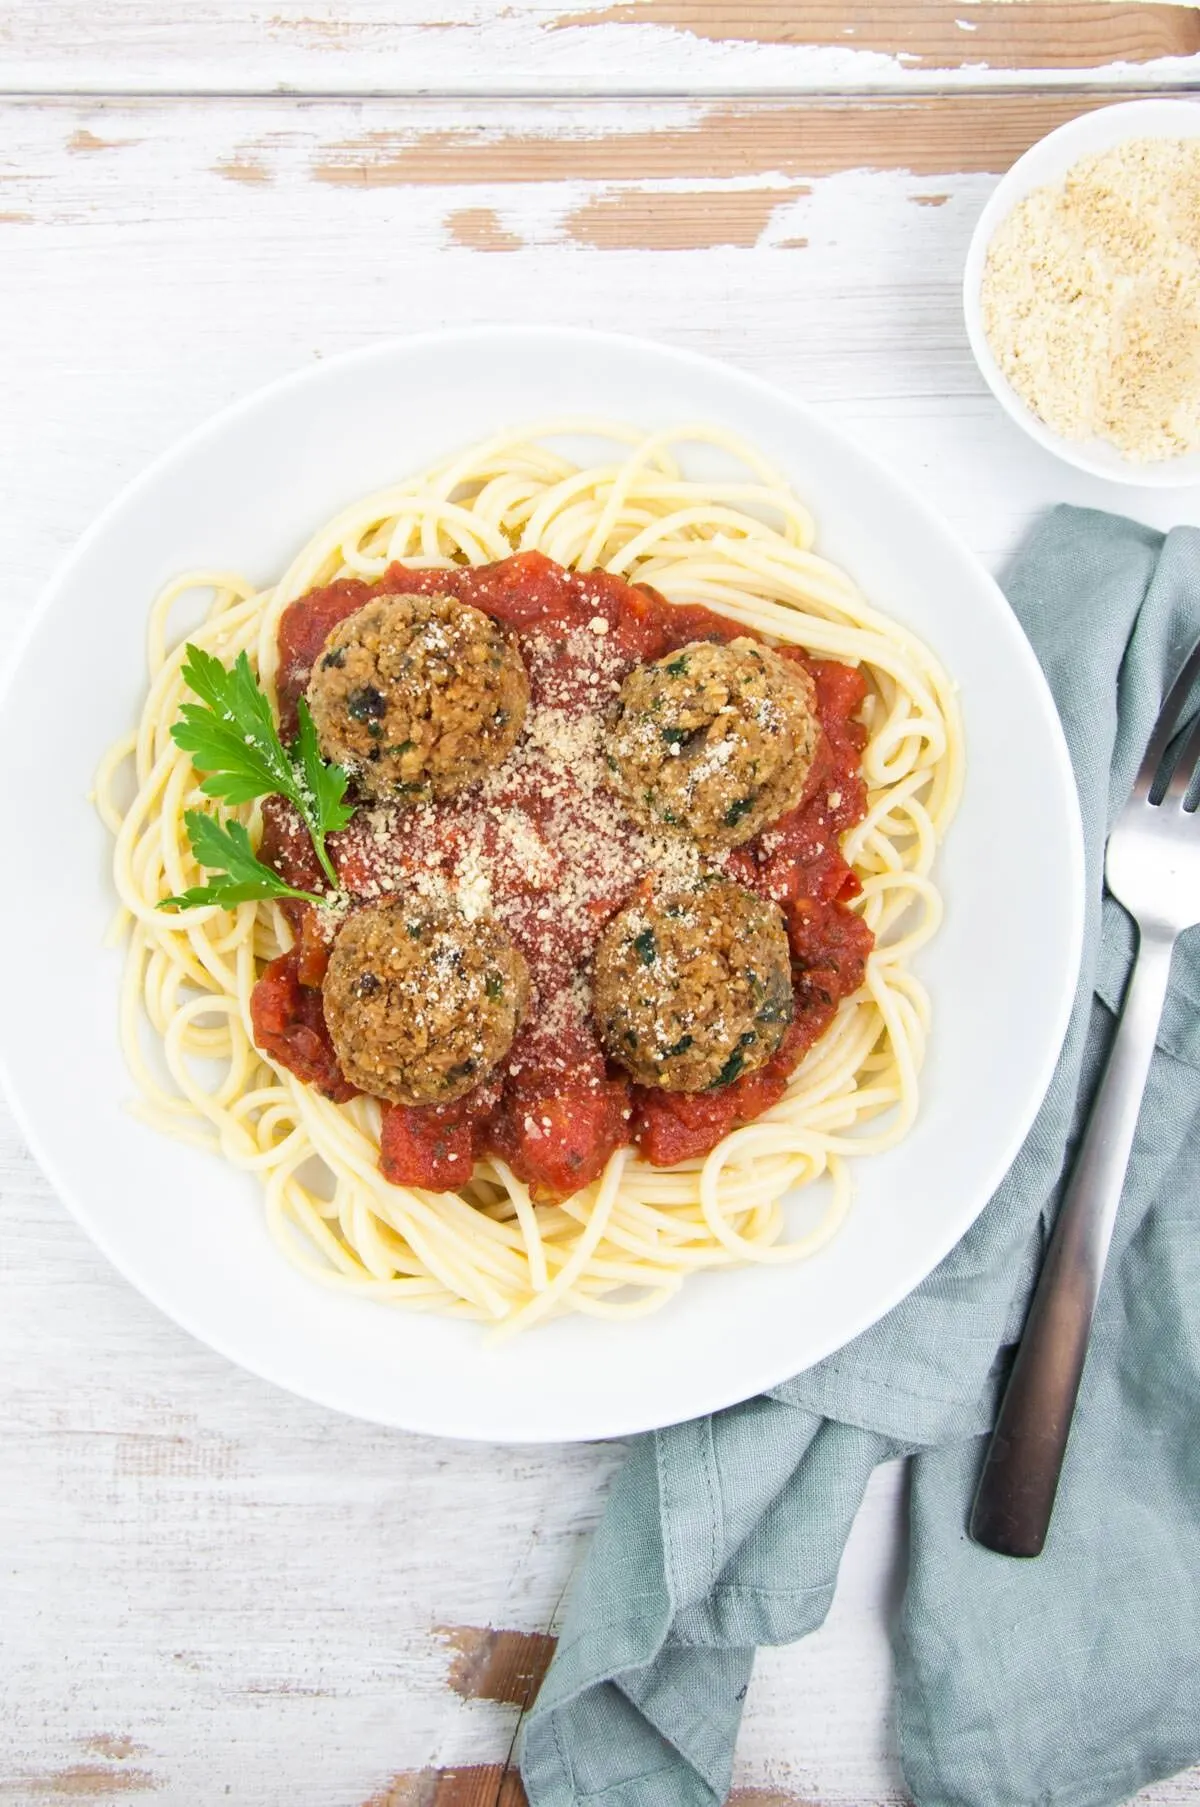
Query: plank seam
[911,93]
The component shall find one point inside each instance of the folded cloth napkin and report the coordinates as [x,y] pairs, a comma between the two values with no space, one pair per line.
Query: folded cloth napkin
[1071,1680]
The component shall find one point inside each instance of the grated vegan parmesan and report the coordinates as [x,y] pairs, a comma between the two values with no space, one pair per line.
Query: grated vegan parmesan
[1091,299]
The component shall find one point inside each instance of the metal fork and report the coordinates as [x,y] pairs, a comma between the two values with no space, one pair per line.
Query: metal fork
[1153,867]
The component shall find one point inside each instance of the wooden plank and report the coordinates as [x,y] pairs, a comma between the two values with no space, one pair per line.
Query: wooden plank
[935,135]
[583,46]
[502,176]
[1080,35]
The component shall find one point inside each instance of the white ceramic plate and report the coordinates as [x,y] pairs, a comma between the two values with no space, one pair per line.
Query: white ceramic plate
[244,492]
[1046,162]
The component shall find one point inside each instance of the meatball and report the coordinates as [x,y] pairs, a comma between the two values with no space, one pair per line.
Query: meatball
[419,695]
[694,987]
[715,739]
[421,1006]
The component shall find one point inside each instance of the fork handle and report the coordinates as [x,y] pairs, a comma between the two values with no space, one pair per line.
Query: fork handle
[1020,1475]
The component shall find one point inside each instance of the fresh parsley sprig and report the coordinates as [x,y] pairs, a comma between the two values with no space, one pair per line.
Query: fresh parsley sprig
[232,738]
[231,735]
[224,848]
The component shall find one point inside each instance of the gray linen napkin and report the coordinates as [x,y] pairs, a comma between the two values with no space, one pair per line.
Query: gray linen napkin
[1071,1680]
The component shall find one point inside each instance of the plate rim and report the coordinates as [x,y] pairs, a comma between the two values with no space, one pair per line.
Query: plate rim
[215,425]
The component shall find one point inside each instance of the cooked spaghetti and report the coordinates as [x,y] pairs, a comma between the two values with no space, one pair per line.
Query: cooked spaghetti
[733,557]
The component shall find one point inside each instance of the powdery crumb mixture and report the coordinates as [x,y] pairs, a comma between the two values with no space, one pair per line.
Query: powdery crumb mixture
[1091,299]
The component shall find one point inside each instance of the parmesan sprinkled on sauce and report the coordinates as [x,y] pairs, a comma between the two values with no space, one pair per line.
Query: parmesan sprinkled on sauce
[542,843]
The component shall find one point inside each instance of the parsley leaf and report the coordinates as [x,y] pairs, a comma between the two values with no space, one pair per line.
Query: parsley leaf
[740,807]
[231,736]
[324,785]
[230,732]
[647,949]
[224,847]
[729,1071]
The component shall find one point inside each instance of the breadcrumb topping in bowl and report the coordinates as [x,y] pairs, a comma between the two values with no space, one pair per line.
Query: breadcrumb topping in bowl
[1091,299]
[1081,292]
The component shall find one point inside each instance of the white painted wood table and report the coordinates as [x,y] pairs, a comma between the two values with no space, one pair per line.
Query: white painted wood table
[209,1590]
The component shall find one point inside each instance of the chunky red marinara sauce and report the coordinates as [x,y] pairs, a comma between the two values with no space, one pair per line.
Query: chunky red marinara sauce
[556,1110]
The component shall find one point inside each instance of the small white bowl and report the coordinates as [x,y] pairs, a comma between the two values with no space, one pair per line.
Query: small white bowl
[1047,162]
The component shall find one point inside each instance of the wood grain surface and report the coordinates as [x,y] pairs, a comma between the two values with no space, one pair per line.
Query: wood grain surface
[779,140]
[937,36]
[583,46]
[663,175]
[212,1592]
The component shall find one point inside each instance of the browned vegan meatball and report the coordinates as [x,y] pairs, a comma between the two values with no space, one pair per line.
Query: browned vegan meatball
[695,987]
[419,695]
[717,740]
[421,1004]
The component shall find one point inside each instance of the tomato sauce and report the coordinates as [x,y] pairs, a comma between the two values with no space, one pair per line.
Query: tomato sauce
[289,1025]
[556,1110]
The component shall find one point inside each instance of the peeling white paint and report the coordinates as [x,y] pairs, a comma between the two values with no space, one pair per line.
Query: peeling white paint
[474,46]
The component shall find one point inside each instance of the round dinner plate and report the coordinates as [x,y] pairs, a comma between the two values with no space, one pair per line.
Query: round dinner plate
[243,493]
